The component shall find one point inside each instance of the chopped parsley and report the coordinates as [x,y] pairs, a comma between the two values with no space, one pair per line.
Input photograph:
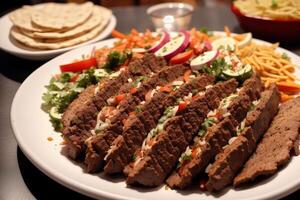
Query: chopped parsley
[183,159]
[133,158]
[138,109]
[208,122]
[216,68]
[115,59]
[139,80]
[62,90]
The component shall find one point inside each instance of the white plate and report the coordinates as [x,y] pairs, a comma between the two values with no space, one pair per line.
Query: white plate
[10,45]
[32,127]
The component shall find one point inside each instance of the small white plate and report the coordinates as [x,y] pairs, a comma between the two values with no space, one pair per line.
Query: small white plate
[31,127]
[10,45]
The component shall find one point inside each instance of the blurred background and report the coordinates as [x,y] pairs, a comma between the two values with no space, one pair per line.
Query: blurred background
[12,4]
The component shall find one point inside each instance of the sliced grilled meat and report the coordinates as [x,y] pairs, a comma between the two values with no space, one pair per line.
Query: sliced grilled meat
[230,161]
[275,147]
[100,143]
[206,148]
[80,116]
[133,136]
[160,159]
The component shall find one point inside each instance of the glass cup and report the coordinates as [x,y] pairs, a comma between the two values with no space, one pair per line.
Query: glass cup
[171,16]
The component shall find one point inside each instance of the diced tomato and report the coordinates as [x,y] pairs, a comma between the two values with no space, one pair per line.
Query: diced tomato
[74,78]
[117,34]
[181,57]
[133,90]
[195,97]
[166,88]
[181,169]
[79,66]
[218,115]
[186,76]
[126,63]
[120,98]
[148,95]
[151,142]
[194,153]
[182,106]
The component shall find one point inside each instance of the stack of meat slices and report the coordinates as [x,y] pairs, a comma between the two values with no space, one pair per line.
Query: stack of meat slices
[157,123]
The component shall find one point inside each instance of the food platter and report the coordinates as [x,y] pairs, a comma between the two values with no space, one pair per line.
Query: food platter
[32,128]
[9,45]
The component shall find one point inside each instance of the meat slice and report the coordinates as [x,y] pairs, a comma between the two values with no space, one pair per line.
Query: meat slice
[80,116]
[100,143]
[132,138]
[217,136]
[230,161]
[275,147]
[175,137]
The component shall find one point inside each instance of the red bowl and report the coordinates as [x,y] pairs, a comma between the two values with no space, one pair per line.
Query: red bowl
[274,30]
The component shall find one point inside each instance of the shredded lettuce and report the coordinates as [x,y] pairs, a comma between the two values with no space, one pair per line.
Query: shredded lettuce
[62,90]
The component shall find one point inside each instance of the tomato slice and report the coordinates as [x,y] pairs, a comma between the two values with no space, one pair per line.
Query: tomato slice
[181,57]
[79,66]
[74,78]
[194,153]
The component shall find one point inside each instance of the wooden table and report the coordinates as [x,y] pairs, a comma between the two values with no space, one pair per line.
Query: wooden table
[19,179]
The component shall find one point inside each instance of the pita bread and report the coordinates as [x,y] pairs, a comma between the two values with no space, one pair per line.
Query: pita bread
[99,15]
[22,18]
[60,16]
[44,44]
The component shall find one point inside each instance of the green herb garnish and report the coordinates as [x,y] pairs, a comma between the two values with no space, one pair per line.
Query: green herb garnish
[216,68]
[115,59]
[138,109]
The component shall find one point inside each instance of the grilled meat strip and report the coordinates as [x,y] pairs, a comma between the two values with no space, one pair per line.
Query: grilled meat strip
[158,162]
[275,147]
[135,132]
[217,136]
[231,160]
[100,143]
[80,116]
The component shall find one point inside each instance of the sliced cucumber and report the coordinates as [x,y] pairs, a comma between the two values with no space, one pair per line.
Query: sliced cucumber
[54,114]
[241,74]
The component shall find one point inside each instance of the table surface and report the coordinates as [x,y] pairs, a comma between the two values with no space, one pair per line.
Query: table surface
[19,179]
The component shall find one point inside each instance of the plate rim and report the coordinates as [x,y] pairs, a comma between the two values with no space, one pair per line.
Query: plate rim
[90,191]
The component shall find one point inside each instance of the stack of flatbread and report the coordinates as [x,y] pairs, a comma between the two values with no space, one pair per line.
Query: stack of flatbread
[57,25]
